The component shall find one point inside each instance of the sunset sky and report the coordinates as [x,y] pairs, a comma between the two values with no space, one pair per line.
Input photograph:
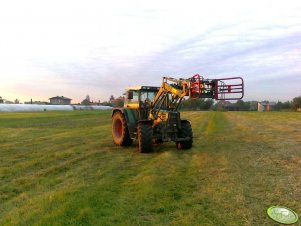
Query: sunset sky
[98,48]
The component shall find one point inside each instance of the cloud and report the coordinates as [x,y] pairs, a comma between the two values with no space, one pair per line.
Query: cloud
[99,48]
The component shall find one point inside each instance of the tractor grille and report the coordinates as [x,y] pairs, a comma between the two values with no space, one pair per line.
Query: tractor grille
[173,118]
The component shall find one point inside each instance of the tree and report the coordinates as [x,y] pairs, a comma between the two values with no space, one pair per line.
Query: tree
[192,104]
[197,104]
[222,105]
[112,98]
[278,106]
[119,102]
[240,104]
[208,104]
[297,102]
[86,101]
[247,106]
[287,105]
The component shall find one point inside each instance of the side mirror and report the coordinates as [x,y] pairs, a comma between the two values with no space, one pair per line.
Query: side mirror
[130,95]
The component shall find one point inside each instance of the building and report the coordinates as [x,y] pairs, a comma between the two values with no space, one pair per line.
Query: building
[60,100]
[266,106]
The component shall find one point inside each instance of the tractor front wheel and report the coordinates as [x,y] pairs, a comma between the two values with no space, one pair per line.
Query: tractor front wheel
[145,137]
[185,132]
[120,133]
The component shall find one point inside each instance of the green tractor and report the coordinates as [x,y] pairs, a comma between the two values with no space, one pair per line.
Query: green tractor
[150,114]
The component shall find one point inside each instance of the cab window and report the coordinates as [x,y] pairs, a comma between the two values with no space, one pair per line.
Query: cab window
[147,96]
[135,98]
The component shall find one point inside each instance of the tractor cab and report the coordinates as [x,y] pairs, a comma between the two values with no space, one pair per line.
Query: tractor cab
[140,97]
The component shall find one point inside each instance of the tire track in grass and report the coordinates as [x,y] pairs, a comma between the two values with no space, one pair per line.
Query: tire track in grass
[157,189]
[150,189]
[211,176]
[218,175]
[175,178]
[252,173]
[192,211]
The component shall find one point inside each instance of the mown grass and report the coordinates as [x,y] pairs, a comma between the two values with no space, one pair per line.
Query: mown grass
[61,168]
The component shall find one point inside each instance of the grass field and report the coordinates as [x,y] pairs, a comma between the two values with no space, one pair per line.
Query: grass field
[61,168]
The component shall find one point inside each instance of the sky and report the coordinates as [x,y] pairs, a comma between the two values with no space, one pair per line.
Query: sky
[98,48]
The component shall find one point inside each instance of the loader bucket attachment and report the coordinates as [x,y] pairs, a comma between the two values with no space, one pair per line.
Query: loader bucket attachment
[229,88]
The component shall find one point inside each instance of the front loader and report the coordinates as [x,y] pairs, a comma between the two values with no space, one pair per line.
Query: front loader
[150,114]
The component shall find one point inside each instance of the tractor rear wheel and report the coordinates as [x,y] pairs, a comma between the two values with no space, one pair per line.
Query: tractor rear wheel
[120,132]
[145,137]
[186,131]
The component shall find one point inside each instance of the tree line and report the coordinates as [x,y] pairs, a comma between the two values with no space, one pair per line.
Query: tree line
[209,104]
[239,105]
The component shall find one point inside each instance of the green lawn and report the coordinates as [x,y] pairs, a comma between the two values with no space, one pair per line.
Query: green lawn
[61,168]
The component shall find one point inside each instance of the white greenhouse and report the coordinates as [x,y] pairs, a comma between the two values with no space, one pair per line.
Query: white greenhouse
[37,107]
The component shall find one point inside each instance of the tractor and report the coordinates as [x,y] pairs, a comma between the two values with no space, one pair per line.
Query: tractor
[151,114]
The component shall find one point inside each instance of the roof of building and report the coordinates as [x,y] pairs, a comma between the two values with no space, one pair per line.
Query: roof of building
[60,97]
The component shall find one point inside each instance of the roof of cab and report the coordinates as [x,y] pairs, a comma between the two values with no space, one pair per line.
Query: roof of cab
[150,88]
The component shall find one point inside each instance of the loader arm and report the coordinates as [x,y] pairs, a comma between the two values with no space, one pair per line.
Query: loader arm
[170,95]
